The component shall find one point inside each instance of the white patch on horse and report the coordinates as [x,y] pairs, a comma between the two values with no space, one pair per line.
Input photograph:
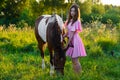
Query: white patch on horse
[61,38]
[43,64]
[51,69]
[42,27]
[60,22]
[51,19]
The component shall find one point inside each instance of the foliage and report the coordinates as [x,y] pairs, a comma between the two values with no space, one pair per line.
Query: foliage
[91,17]
[15,11]
[111,18]
[85,9]
[12,9]
[98,9]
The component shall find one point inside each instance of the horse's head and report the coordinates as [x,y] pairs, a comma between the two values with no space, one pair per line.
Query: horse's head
[59,62]
[59,53]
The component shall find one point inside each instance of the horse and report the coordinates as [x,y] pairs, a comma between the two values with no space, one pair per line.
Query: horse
[49,30]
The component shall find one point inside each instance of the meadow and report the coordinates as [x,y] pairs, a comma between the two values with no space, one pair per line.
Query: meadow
[20,58]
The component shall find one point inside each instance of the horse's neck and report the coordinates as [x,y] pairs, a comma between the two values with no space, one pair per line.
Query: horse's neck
[58,18]
[60,22]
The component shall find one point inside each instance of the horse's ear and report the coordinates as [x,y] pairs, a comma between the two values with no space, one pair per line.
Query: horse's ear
[61,59]
[53,15]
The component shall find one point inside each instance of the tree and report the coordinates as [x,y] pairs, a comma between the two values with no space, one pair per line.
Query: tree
[98,9]
[86,8]
[12,9]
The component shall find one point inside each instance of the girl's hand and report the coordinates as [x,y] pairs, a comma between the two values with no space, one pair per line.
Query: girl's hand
[65,35]
[64,41]
[65,48]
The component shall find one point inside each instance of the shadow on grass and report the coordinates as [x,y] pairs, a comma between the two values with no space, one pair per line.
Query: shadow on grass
[8,47]
[11,48]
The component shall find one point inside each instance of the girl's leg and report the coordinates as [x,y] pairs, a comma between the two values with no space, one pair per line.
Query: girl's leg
[76,65]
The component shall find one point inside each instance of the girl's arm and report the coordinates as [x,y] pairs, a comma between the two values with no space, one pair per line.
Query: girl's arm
[66,32]
[70,38]
[65,35]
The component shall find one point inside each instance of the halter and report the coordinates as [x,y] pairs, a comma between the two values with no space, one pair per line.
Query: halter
[59,67]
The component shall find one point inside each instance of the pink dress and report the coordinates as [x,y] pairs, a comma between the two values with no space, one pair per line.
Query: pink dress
[77,48]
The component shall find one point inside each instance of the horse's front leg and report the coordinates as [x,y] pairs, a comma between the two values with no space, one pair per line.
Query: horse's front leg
[51,61]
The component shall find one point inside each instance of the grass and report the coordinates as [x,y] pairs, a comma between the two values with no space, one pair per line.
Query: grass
[20,57]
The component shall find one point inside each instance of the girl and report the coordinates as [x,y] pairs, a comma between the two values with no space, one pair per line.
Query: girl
[74,47]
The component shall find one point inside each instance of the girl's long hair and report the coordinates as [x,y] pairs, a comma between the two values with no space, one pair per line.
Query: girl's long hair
[77,14]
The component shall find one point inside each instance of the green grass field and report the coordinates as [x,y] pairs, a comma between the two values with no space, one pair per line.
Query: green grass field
[20,58]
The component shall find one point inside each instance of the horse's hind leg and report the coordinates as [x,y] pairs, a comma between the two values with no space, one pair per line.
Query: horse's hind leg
[51,61]
[41,47]
[40,41]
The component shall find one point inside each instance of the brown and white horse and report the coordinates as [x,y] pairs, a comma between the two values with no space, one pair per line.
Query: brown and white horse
[49,29]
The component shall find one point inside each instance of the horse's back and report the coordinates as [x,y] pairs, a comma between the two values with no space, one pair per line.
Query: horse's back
[41,26]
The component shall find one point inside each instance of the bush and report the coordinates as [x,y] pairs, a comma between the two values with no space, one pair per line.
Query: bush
[22,24]
[96,52]
[118,26]
[27,17]
[91,17]
[114,18]
[107,46]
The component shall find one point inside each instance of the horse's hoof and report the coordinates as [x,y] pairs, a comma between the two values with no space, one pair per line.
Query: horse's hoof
[51,73]
[43,66]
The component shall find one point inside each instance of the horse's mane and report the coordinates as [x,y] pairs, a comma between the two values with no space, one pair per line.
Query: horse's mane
[56,38]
